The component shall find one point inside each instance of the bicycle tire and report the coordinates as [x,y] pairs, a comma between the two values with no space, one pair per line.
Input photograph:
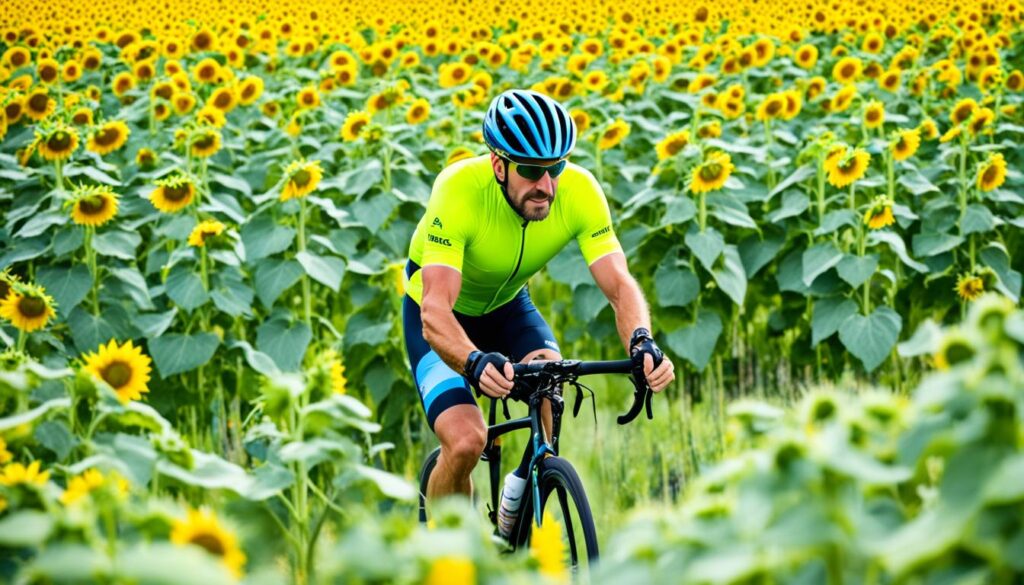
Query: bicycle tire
[428,467]
[557,476]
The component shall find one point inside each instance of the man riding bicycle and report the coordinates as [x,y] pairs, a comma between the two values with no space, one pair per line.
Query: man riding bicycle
[491,223]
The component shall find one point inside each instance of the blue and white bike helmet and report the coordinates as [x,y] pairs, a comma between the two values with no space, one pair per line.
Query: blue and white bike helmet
[524,124]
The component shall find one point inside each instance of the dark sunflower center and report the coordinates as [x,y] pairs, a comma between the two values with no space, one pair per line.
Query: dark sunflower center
[204,142]
[301,178]
[59,141]
[211,543]
[773,108]
[873,115]
[675,146]
[711,171]
[81,118]
[117,374]
[48,73]
[164,92]
[223,100]
[308,99]
[39,102]
[177,192]
[958,352]
[847,71]
[92,205]
[249,90]
[990,174]
[417,112]
[357,127]
[107,136]
[31,307]
[207,72]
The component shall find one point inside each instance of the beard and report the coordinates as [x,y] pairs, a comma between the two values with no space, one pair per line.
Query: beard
[527,206]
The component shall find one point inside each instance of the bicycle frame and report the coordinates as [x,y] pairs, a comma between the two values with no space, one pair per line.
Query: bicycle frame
[539,443]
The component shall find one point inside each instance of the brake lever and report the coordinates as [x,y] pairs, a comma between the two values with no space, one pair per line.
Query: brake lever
[578,402]
[647,402]
[640,396]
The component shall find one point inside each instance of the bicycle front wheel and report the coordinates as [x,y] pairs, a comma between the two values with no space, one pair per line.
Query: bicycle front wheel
[563,498]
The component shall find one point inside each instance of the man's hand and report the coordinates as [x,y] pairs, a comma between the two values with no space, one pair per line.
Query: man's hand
[658,369]
[484,372]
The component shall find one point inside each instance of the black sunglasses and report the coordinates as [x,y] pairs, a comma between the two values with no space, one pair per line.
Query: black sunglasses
[535,172]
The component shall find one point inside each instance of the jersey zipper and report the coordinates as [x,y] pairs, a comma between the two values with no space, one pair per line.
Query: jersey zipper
[519,262]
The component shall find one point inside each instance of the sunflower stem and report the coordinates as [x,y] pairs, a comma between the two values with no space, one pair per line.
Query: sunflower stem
[203,270]
[702,209]
[58,167]
[890,170]
[90,255]
[21,341]
[770,142]
[821,191]
[307,303]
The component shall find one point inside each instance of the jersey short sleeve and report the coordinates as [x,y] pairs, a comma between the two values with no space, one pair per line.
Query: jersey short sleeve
[448,225]
[593,220]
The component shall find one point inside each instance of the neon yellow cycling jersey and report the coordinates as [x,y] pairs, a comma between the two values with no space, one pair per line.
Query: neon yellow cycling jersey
[470,227]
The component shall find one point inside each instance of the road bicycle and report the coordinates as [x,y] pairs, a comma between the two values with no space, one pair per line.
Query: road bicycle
[535,383]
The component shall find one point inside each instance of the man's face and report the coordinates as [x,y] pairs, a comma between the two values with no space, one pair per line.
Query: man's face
[532,199]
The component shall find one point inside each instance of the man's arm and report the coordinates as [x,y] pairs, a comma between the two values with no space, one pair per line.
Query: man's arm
[441,286]
[613,278]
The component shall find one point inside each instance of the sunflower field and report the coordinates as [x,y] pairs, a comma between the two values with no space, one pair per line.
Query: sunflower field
[205,211]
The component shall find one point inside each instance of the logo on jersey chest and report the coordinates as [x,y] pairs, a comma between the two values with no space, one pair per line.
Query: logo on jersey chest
[437,223]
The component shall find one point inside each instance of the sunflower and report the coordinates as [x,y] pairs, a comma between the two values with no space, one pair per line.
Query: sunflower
[981,119]
[93,206]
[595,81]
[581,118]
[307,98]
[672,144]
[353,125]
[843,98]
[879,215]
[847,70]
[457,154]
[846,166]
[203,529]
[905,144]
[302,179]
[14,108]
[122,83]
[711,174]
[963,110]
[992,173]
[874,114]
[249,90]
[27,307]
[146,158]
[806,56]
[873,43]
[815,87]
[613,134]
[109,137]
[71,72]
[206,71]
[419,111]
[772,106]
[47,70]
[955,347]
[39,104]
[339,383]
[223,98]
[183,103]
[891,80]
[173,194]
[547,547]
[712,129]
[15,474]
[57,144]
[5,455]
[82,116]
[206,229]
[123,367]
[951,134]
[452,74]
[206,143]
[81,486]
[969,287]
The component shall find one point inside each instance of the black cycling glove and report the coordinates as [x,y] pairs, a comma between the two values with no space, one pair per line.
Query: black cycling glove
[641,343]
[477,362]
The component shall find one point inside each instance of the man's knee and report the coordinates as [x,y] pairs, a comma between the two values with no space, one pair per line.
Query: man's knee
[463,435]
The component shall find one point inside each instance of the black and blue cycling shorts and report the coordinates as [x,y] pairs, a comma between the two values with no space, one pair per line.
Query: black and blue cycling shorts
[514,329]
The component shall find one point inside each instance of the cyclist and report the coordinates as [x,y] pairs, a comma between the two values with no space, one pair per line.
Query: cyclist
[491,223]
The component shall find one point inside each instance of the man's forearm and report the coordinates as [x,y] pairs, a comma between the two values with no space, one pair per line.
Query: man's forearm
[446,336]
[630,309]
